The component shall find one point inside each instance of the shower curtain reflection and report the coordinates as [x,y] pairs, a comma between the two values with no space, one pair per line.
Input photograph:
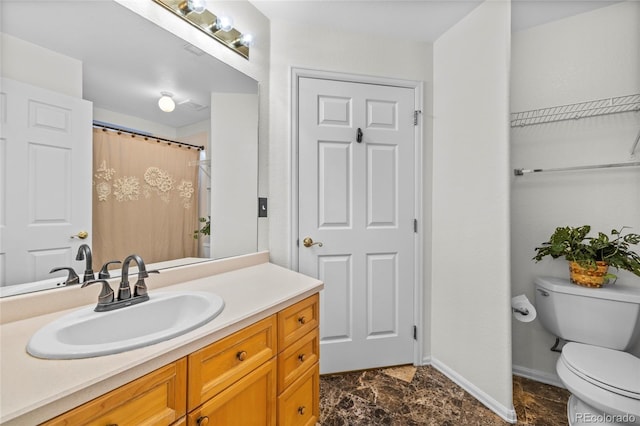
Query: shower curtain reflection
[145,198]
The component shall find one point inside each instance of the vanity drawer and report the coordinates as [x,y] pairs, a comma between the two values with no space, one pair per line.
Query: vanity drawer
[249,401]
[218,365]
[299,404]
[298,358]
[155,399]
[297,320]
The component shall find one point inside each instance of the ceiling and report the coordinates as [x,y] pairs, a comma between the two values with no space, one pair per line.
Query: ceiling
[418,20]
[128,61]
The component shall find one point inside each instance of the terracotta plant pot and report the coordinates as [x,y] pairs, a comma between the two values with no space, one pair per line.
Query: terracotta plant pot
[588,277]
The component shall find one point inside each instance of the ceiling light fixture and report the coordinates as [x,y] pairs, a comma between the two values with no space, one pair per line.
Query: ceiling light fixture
[218,27]
[166,102]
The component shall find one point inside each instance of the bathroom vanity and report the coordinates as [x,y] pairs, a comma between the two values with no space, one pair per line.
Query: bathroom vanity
[256,363]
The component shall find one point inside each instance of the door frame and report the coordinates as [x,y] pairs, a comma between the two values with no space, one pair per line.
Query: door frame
[418,243]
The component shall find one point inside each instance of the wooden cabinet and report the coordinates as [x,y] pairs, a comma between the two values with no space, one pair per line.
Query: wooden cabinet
[299,404]
[297,320]
[298,368]
[222,363]
[249,401]
[266,374]
[159,398]
[294,360]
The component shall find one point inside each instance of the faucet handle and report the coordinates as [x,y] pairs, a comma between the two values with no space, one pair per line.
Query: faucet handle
[140,288]
[106,294]
[72,278]
[104,271]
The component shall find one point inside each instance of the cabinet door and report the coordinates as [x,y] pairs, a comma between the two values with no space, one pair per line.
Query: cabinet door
[159,398]
[220,364]
[297,320]
[298,358]
[251,401]
[299,404]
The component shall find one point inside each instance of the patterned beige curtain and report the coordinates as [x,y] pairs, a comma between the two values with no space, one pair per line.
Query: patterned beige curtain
[144,198]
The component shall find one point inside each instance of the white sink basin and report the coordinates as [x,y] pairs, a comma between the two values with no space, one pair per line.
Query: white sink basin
[85,333]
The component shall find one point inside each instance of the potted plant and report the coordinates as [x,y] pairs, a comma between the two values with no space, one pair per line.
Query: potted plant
[206,228]
[590,257]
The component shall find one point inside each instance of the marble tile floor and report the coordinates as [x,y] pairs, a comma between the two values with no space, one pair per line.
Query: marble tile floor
[408,396]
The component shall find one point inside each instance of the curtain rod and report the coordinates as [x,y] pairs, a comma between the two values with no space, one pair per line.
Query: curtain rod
[104,127]
[520,172]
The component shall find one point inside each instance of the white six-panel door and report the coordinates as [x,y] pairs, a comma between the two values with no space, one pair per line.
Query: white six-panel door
[45,153]
[357,199]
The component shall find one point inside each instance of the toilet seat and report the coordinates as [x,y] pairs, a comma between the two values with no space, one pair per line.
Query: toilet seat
[614,371]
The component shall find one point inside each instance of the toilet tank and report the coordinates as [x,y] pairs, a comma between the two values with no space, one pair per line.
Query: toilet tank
[607,316]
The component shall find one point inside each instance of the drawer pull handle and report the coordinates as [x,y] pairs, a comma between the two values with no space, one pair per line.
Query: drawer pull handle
[302,320]
[242,355]
[302,357]
[301,410]
[203,421]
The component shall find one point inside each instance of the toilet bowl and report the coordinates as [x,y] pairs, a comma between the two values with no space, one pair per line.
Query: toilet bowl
[603,380]
[604,383]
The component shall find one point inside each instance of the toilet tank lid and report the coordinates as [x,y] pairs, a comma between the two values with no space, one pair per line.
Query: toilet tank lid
[617,292]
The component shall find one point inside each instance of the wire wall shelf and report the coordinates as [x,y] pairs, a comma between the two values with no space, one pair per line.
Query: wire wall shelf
[576,111]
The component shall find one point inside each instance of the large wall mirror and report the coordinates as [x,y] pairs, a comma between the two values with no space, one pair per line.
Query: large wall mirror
[124,64]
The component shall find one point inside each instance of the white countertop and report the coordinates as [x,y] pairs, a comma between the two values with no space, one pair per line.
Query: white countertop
[33,390]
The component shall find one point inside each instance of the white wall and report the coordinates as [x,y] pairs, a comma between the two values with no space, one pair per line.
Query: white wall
[471,327]
[234,161]
[25,62]
[316,48]
[590,56]
[134,123]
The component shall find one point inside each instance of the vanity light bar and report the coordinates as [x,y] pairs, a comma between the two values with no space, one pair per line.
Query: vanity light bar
[206,22]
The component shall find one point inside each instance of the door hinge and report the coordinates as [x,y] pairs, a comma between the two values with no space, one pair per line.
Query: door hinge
[415,332]
[415,225]
[415,116]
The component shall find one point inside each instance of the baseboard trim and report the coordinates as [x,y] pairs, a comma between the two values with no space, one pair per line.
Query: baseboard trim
[539,376]
[506,413]
[426,360]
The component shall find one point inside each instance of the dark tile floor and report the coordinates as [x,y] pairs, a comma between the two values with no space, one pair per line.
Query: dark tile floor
[406,396]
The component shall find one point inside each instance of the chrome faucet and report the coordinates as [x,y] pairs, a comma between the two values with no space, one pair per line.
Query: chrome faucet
[84,253]
[140,289]
[106,299]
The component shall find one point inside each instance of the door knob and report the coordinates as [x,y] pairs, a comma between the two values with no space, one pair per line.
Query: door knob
[82,235]
[308,242]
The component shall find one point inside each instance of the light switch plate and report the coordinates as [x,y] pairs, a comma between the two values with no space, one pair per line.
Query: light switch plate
[262,207]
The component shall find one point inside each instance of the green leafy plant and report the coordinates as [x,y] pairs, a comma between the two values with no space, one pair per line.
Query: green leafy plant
[206,228]
[574,244]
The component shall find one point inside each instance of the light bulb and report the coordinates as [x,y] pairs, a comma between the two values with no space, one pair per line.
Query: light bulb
[166,103]
[246,40]
[197,6]
[224,23]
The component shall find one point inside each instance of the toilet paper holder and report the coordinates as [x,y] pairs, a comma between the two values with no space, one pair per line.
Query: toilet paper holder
[523,311]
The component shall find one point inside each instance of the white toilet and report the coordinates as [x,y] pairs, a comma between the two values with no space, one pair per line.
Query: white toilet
[599,324]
